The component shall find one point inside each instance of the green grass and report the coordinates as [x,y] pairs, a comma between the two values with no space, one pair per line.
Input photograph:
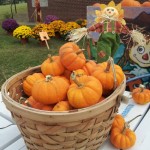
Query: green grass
[5,11]
[15,57]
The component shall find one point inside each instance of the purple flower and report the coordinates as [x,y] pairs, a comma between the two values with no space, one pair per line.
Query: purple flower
[9,25]
[50,18]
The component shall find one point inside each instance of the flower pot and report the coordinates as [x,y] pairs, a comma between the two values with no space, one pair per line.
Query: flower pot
[24,40]
[42,43]
[10,33]
[57,35]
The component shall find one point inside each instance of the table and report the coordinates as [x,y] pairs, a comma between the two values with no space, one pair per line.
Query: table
[10,137]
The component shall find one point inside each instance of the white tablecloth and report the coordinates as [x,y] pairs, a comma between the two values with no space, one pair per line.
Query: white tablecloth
[10,137]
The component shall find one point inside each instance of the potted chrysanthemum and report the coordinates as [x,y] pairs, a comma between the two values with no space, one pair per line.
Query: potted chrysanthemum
[42,27]
[67,27]
[9,25]
[57,25]
[23,33]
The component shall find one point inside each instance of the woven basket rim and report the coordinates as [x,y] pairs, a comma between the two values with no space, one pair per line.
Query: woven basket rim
[16,106]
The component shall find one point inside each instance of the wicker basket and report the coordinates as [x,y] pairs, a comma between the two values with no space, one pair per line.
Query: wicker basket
[83,129]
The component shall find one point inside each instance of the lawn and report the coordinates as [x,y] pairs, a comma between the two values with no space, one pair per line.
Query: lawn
[15,57]
[5,11]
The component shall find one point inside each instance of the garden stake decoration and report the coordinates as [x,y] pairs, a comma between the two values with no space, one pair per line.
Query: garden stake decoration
[44,37]
[109,23]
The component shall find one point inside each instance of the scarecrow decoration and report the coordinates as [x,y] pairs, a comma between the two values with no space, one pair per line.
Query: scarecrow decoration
[109,23]
[37,12]
[134,57]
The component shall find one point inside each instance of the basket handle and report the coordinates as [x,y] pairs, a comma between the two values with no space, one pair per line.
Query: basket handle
[111,62]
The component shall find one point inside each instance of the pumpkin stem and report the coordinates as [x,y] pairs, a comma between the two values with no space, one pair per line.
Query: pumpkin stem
[28,104]
[125,127]
[133,119]
[48,78]
[73,77]
[126,124]
[110,63]
[21,100]
[142,87]
[50,57]
[80,51]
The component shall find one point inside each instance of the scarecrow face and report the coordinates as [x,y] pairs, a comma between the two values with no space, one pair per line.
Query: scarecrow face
[141,55]
[110,12]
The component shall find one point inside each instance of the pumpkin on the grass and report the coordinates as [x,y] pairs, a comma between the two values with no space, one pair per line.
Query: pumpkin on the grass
[104,72]
[84,92]
[141,95]
[50,90]
[52,66]
[72,56]
[29,81]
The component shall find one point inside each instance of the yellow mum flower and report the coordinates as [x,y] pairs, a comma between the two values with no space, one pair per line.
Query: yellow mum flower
[22,31]
[43,27]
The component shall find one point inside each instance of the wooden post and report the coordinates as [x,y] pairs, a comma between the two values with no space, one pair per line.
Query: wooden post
[38,11]
[44,37]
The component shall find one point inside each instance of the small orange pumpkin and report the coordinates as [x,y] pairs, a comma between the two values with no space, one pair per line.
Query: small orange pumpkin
[118,122]
[78,73]
[67,74]
[52,66]
[86,91]
[122,138]
[89,67]
[130,3]
[47,108]
[146,4]
[141,95]
[63,77]
[31,102]
[104,73]
[29,81]
[102,98]
[62,106]
[50,90]
[72,56]
[96,5]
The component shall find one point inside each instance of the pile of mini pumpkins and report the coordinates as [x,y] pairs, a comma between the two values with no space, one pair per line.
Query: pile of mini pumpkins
[130,3]
[69,81]
[134,3]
